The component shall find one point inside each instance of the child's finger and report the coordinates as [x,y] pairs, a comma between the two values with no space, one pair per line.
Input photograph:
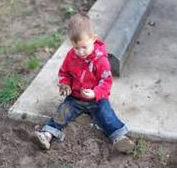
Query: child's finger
[83,94]
[70,91]
[67,91]
[85,91]
[61,92]
[64,92]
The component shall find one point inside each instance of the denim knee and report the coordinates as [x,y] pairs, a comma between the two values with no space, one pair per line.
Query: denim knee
[107,119]
[66,112]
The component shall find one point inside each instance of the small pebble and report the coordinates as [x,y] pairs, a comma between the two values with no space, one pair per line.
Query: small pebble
[151,23]
[149,34]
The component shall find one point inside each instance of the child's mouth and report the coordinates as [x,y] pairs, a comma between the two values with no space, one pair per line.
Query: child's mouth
[84,57]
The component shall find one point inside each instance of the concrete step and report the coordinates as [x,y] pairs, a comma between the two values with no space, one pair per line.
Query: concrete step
[124,32]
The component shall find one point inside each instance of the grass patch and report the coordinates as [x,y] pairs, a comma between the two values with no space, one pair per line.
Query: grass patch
[66,165]
[33,63]
[140,148]
[6,7]
[12,87]
[3,50]
[69,11]
[30,47]
[162,155]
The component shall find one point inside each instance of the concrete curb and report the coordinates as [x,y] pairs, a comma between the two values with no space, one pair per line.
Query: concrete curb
[152,135]
[126,28]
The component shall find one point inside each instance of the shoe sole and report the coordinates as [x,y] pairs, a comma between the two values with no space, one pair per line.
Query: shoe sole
[125,146]
[41,141]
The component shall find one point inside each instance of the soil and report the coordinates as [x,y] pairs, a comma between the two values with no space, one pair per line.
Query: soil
[84,145]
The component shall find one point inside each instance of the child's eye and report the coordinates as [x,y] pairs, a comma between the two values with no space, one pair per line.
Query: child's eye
[76,48]
[84,47]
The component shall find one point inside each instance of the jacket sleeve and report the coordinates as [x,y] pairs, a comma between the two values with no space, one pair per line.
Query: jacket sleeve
[63,73]
[104,75]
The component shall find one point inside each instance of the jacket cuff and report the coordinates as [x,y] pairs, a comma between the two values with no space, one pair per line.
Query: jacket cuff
[63,83]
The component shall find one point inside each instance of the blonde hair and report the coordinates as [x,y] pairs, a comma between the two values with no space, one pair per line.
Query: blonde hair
[79,24]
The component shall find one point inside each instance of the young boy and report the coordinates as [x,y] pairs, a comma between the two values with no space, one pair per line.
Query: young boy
[85,79]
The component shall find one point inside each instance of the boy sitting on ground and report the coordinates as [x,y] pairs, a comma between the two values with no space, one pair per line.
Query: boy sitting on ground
[85,79]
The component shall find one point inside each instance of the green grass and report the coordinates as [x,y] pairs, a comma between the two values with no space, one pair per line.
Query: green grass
[30,47]
[6,7]
[66,165]
[69,10]
[140,148]
[3,50]
[33,63]
[12,87]
[162,155]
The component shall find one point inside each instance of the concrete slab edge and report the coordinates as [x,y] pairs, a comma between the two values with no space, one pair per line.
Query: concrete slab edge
[134,132]
[28,116]
[126,27]
[152,135]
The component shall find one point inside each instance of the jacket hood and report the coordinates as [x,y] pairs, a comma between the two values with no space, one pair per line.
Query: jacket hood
[99,50]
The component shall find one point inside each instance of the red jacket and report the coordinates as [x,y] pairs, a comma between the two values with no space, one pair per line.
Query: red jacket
[94,72]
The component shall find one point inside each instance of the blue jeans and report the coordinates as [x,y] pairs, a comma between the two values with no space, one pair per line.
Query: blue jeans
[101,112]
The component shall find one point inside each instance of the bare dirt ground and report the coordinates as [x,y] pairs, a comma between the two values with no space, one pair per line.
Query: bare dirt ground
[84,146]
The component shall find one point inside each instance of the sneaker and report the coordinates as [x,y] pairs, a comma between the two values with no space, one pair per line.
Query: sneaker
[124,144]
[42,140]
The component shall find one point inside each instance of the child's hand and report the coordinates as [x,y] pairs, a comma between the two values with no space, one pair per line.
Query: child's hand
[88,93]
[65,90]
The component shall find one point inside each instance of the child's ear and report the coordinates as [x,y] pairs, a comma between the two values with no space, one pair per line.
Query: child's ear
[94,37]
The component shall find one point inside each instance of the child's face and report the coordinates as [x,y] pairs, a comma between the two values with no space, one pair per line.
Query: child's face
[85,46]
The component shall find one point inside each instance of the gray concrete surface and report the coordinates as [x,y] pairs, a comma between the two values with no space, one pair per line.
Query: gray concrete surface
[145,96]
[146,93]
